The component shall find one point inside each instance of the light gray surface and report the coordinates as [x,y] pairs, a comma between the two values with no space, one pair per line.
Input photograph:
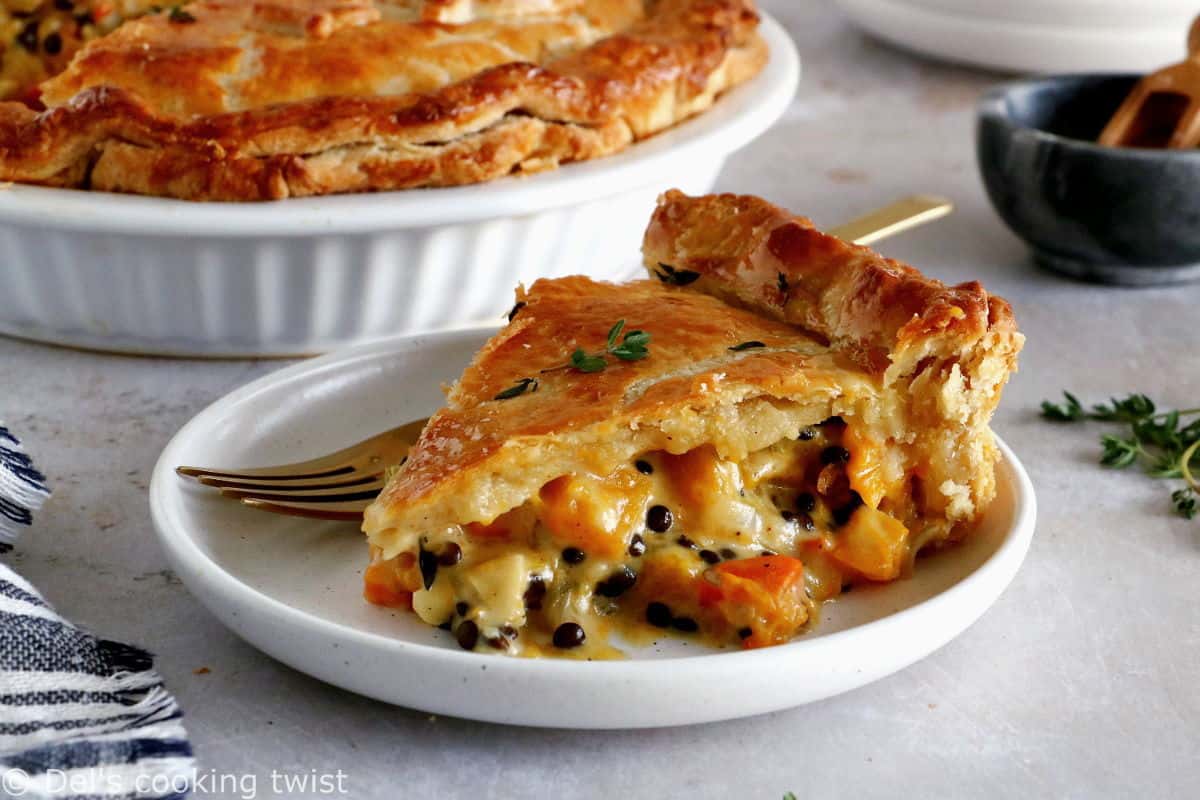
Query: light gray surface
[1080,682]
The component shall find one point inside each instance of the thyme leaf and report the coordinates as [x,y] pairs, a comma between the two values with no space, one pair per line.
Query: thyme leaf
[675,277]
[519,388]
[585,363]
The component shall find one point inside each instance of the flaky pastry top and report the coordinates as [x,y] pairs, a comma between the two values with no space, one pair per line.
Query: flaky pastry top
[757,255]
[480,434]
[234,100]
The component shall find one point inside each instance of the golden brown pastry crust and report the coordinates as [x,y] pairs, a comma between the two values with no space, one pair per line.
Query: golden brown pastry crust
[281,98]
[755,254]
[914,366]
[948,350]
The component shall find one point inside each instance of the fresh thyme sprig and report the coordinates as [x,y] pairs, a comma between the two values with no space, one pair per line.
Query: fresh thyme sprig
[1157,440]
[634,347]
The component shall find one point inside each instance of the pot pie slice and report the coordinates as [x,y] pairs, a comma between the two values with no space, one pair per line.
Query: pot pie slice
[712,452]
[237,100]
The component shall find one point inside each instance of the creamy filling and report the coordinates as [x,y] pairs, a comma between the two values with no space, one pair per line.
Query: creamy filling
[725,552]
[39,37]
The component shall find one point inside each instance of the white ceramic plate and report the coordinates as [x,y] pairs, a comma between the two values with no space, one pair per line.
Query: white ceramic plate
[1034,35]
[292,587]
[151,275]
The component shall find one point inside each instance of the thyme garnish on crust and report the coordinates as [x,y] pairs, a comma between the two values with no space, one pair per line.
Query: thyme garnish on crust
[634,347]
[518,388]
[675,277]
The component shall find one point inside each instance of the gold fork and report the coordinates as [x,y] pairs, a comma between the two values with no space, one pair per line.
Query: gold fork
[340,486]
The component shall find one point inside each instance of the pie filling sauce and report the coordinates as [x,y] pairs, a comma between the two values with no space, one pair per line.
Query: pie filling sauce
[724,553]
[39,37]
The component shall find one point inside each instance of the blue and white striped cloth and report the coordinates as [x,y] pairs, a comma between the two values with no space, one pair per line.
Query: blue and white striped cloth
[80,717]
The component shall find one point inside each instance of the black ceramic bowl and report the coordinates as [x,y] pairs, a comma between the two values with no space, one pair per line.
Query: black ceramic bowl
[1111,214]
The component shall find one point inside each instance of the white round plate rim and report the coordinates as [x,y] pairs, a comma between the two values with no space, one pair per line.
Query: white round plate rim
[737,117]
[1031,36]
[223,593]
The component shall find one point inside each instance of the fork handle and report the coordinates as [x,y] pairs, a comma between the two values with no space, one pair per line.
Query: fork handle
[893,218]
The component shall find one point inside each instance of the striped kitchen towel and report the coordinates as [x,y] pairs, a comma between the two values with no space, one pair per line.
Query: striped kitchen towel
[22,489]
[79,716]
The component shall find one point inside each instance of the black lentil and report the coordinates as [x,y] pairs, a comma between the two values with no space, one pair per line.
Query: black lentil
[745,633]
[835,454]
[53,44]
[807,434]
[461,608]
[685,624]
[659,615]
[617,584]
[28,37]
[445,626]
[450,555]
[429,564]
[806,502]
[788,516]
[659,519]
[806,522]
[467,635]
[573,555]
[709,557]
[728,553]
[684,541]
[498,642]
[568,635]
[509,631]
[637,545]
[842,514]
[535,593]
[833,421]
[644,467]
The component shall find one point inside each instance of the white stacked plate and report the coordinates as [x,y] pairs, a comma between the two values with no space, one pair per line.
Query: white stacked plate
[157,276]
[1034,35]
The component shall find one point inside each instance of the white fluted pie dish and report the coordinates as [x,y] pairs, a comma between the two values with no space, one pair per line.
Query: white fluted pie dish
[155,276]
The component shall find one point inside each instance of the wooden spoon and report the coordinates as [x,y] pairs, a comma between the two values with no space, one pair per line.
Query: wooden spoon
[1163,110]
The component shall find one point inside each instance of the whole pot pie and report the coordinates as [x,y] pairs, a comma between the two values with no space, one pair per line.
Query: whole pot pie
[238,100]
[772,418]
